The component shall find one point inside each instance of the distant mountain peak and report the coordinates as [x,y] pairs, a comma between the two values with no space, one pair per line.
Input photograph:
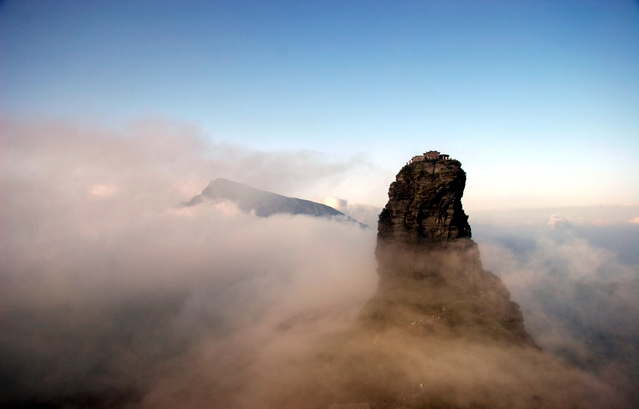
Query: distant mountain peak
[265,203]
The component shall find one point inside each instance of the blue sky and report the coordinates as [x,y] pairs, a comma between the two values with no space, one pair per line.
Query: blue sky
[538,99]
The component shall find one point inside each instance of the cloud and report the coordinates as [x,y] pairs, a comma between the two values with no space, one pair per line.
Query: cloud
[336,203]
[580,301]
[105,280]
[557,221]
[150,156]
[112,293]
[102,190]
[608,215]
[364,213]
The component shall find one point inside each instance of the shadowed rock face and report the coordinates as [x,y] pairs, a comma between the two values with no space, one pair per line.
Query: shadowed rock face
[431,276]
[424,204]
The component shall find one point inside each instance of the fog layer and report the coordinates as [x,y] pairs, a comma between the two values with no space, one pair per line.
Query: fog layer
[107,282]
[114,295]
[577,282]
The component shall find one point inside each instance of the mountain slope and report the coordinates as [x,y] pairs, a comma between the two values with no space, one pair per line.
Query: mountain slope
[262,202]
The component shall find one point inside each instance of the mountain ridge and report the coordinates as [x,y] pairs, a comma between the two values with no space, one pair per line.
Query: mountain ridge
[265,203]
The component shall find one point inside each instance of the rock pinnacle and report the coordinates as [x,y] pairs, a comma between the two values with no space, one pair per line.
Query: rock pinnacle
[431,275]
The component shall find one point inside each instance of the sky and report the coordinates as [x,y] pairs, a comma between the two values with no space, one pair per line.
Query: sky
[538,100]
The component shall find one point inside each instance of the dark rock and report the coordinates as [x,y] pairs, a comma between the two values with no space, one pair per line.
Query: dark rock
[424,204]
[431,277]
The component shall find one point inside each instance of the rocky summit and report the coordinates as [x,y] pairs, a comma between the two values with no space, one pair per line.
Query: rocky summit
[431,275]
[424,204]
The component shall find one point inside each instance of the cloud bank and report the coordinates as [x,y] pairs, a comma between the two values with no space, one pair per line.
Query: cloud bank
[111,295]
[578,287]
[106,283]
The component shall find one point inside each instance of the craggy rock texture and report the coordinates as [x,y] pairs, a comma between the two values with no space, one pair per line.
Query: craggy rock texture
[431,276]
[424,204]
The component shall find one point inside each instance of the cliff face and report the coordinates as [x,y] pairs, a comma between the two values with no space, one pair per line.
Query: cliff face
[424,204]
[431,277]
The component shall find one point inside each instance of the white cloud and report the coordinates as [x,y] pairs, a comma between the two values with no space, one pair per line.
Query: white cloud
[129,284]
[364,213]
[336,203]
[557,221]
[104,190]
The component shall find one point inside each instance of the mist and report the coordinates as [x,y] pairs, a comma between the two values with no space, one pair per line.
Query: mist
[115,295]
[107,280]
[577,281]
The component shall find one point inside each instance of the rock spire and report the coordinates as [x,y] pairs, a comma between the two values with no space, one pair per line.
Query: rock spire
[431,276]
[424,204]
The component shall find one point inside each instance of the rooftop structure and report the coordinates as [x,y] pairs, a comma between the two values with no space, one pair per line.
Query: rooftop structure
[430,155]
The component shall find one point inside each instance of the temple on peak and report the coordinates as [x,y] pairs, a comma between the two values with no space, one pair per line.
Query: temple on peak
[430,155]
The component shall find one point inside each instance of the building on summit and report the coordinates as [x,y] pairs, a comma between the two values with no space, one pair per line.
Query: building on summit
[430,155]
